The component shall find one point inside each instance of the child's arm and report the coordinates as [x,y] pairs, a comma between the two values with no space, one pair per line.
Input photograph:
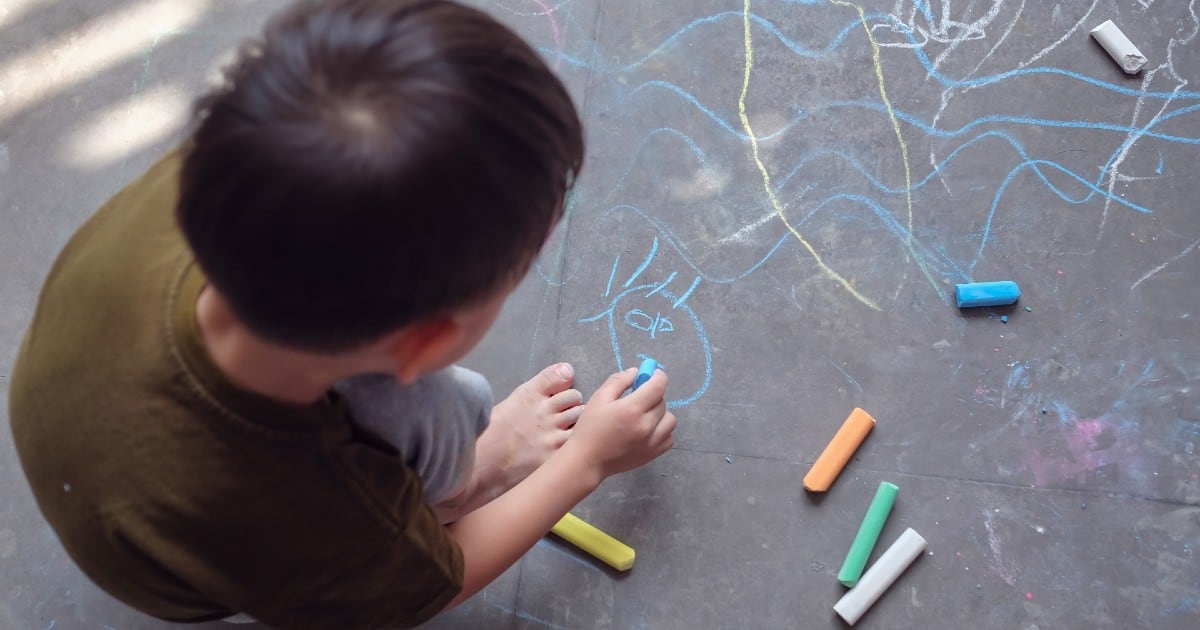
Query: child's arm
[483,484]
[614,434]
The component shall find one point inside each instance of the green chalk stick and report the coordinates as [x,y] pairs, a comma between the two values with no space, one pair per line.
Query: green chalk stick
[868,533]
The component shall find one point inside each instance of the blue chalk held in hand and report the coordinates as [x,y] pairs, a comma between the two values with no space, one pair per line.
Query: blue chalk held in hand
[986,294]
[645,371]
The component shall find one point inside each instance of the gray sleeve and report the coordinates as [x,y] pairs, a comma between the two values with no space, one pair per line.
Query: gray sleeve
[433,422]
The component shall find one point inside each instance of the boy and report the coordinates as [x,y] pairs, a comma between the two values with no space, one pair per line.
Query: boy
[359,199]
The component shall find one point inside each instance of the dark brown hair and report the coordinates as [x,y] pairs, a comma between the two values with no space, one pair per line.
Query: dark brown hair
[369,163]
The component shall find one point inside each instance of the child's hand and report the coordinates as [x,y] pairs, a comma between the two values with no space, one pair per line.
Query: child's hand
[617,434]
[613,435]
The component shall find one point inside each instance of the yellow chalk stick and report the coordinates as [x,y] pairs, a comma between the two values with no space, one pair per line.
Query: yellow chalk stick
[605,548]
[835,456]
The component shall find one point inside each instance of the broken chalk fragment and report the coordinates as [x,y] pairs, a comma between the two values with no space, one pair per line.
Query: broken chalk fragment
[868,534]
[1119,47]
[605,548]
[880,576]
[986,294]
[1004,319]
[645,371]
[854,430]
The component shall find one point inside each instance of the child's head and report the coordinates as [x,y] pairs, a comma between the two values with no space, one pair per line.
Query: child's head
[371,163]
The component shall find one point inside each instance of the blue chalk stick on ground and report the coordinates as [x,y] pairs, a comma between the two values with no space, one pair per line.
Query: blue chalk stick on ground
[645,371]
[986,294]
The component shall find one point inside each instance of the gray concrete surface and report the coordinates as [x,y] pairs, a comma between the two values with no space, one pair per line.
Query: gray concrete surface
[782,231]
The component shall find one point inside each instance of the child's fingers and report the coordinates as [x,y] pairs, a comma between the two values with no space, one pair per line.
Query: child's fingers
[656,413]
[667,444]
[665,430]
[615,385]
[651,392]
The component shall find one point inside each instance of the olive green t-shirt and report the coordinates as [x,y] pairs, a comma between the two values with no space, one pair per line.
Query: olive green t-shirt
[179,493]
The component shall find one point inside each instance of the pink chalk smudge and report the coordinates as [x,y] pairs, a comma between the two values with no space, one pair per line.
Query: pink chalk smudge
[1080,449]
[549,13]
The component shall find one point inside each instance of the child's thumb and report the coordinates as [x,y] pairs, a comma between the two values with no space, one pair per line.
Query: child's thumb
[615,385]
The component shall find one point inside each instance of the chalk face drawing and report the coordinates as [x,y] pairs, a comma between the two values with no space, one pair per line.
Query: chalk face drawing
[650,320]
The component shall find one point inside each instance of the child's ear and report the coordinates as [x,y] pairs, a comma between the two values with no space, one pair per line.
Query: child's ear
[423,347]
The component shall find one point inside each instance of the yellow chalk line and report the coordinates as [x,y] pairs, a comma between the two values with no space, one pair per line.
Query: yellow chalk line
[875,57]
[767,177]
[891,111]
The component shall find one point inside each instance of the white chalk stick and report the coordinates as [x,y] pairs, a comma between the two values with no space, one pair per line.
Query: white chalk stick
[880,576]
[1119,47]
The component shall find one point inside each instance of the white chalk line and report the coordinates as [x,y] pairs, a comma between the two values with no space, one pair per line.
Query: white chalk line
[940,28]
[949,92]
[978,27]
[543,12]
[1133,136]
[998,564]
[743,235]
[1187,250]
[1047,50]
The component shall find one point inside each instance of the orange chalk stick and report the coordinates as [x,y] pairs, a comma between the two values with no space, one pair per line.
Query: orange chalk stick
[854,430]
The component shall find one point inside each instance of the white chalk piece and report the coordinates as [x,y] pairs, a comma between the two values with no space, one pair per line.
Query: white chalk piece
[880,576]
[1119,47]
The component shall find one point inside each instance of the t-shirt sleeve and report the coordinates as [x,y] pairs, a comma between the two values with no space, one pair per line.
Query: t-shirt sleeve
[433,423]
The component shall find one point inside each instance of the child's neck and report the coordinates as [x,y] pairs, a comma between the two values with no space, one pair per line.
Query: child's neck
[264,368]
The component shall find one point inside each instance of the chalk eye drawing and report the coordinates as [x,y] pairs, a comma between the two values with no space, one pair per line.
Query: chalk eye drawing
[656,325]
[661,335]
